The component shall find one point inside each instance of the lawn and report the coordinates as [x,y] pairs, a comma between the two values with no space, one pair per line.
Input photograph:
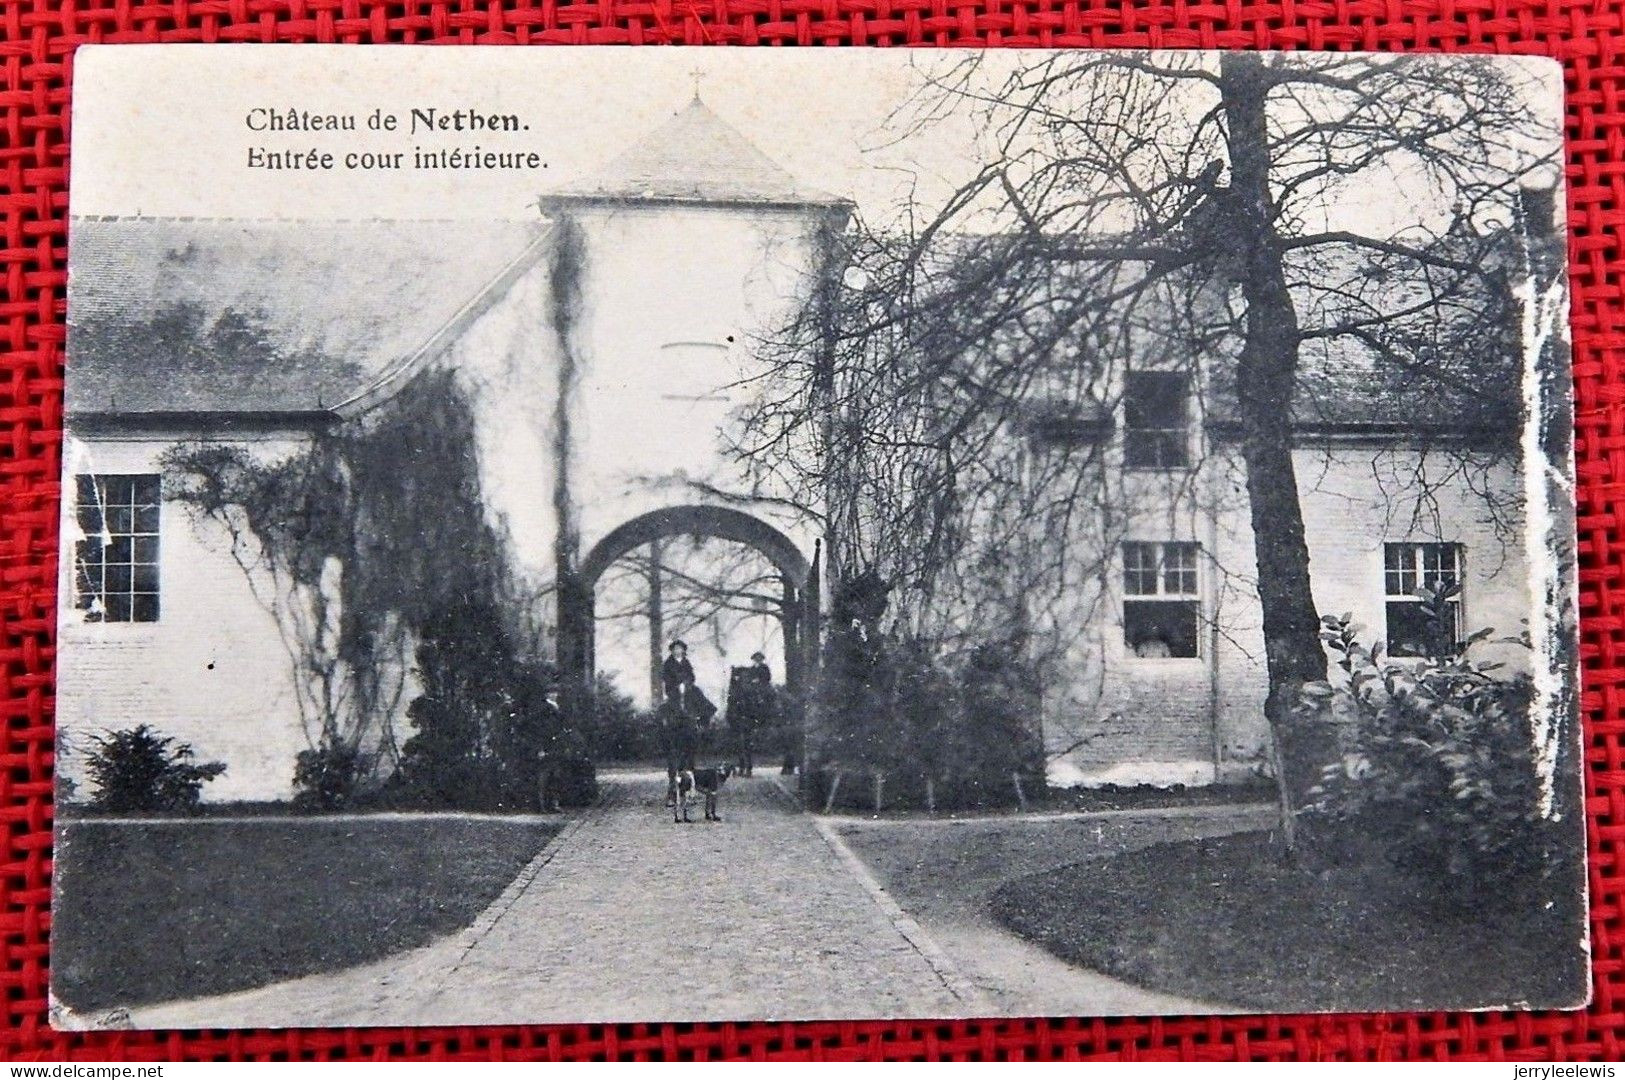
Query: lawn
[1225,920]
[147,913]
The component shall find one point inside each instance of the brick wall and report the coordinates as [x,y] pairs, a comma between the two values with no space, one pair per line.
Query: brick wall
[1111,717]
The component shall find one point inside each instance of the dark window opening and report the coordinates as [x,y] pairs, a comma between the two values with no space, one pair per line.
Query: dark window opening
[1161,600]
[1159,629]
[1413,630]
[116,559]
[1156,420]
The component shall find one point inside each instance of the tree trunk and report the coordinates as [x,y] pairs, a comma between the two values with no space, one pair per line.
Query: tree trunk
[657,624]
[1266,377]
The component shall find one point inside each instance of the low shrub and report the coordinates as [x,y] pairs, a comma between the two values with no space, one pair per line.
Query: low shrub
[615,729]
[1438,774]
[329,776]
[139,770]
[904,727]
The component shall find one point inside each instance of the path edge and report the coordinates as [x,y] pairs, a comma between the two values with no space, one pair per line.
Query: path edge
[482,925]
[957,983]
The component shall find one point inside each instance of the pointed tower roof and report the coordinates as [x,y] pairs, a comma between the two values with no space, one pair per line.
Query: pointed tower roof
[697,157]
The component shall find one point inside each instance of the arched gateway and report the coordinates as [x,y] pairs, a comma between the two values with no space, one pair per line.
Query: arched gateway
[798,609]
[681,256]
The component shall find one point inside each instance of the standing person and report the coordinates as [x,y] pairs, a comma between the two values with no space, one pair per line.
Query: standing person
[677,726]
[757,714]
[749,689]
[545,735]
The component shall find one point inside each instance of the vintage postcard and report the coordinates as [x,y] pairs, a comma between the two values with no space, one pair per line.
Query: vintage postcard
[609,535]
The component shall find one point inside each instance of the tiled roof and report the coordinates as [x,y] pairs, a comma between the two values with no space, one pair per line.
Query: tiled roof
[193,316]
[697,157]
[190,316]
[1418,366]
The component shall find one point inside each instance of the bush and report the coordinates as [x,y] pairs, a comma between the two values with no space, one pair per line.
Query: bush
[571,780]
[996,738]
[138,770]
[1438,776]
[329,776]
[615,729]
[936,733]
[482,722]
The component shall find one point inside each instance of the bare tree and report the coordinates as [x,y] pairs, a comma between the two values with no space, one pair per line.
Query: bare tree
[1143,210]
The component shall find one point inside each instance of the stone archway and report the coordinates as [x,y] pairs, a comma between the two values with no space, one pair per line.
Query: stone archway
[799,610]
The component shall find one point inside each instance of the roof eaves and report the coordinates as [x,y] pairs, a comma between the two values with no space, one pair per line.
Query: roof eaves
[1385,432]
[206,421]
[600,199]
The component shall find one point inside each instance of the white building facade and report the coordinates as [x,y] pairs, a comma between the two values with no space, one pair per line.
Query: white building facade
[606,349]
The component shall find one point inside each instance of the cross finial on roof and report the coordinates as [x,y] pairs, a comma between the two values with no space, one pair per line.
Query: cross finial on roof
[697,74]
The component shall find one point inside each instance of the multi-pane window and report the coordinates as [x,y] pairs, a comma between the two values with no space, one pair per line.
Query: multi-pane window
[1156,420]
[116,562]
[1161,599]
[1418,625]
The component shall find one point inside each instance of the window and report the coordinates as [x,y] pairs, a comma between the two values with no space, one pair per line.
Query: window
[1416,625]
[1161,599]
[1156,420]
[116,562]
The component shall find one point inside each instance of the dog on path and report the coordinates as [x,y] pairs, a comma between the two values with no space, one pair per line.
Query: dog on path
[707,782]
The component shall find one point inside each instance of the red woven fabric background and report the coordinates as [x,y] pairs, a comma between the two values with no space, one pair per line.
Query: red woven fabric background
[37,42]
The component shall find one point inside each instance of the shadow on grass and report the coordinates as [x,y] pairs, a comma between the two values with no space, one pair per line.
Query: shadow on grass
[1225,919]
[146,913]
